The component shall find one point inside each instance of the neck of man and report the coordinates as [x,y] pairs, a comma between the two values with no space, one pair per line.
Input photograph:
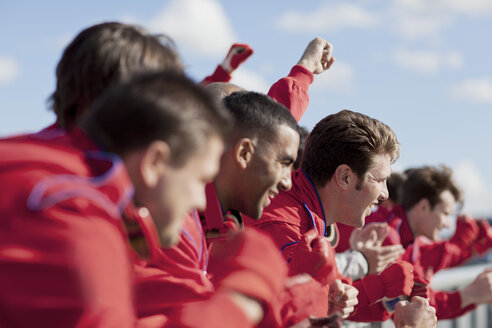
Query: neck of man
[329,202]
[412,218]
[226,193]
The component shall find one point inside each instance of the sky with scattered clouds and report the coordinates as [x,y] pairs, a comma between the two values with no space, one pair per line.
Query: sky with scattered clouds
[423,67]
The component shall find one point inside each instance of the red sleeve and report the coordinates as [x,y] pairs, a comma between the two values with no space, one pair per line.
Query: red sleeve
[175,275]
[369,313]
[160,292]
[218,311]
[219,75]
[443,254]
[448,304]
[365,311]
[430,258]
[302,301]
[292,90]
[65,266]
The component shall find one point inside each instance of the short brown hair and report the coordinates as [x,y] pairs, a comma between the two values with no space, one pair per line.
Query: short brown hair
[101,55]
[157,106]
[428,182]
[349,138]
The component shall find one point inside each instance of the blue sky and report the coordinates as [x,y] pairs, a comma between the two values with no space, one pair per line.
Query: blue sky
[423,67]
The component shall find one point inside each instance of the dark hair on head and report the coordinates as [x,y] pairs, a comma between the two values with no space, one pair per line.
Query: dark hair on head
[257,115]
[303,134]
[429,183]
[101,55]
[394,184]
[157,106]
[349,138]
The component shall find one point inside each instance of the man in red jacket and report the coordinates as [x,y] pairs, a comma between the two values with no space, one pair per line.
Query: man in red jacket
[428,199]
[189,259]
[63,253]
[343,174]
[77,87]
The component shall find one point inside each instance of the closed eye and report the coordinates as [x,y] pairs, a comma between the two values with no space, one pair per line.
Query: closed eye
[287,161]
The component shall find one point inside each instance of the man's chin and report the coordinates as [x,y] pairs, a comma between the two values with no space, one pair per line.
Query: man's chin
[168,239]
[254,212]
[356,223]
[360,223]
[255,215]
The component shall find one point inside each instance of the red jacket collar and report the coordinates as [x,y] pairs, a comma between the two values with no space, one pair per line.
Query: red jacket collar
[86,168]
[305,192]
[403,227]
[213,212]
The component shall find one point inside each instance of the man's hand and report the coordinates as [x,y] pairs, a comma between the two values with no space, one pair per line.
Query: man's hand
[342,299]
[236,56]
[317,57]
[374,232]
[368,241]
[415,314]
[251,307]
[479,291]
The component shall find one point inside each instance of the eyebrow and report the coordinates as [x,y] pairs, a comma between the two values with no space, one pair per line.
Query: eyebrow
[381,179]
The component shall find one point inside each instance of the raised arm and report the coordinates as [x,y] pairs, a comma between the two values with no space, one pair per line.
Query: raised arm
[292,90]
[238,53]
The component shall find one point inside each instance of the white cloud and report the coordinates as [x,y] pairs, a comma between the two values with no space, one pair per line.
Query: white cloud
[9,70]
[197,26]
[469,7]
[477,90]
[418,19]
[477,192]
[328,17]
[423,19]
[250,80]
[426,61]
[339,77]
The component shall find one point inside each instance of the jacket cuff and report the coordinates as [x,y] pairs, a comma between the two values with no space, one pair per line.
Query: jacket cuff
[302,75]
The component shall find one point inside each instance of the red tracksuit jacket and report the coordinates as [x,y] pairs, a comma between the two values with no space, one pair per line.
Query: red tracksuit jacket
[291,91]
[295,303]
[183,269]
[64,257]
[293,213]
[427,256]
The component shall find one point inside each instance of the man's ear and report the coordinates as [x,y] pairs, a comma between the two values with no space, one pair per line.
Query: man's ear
[154,162]
[344,176]
[423,205]
[243,152]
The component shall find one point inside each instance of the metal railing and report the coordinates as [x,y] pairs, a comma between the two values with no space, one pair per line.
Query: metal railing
[452,279]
